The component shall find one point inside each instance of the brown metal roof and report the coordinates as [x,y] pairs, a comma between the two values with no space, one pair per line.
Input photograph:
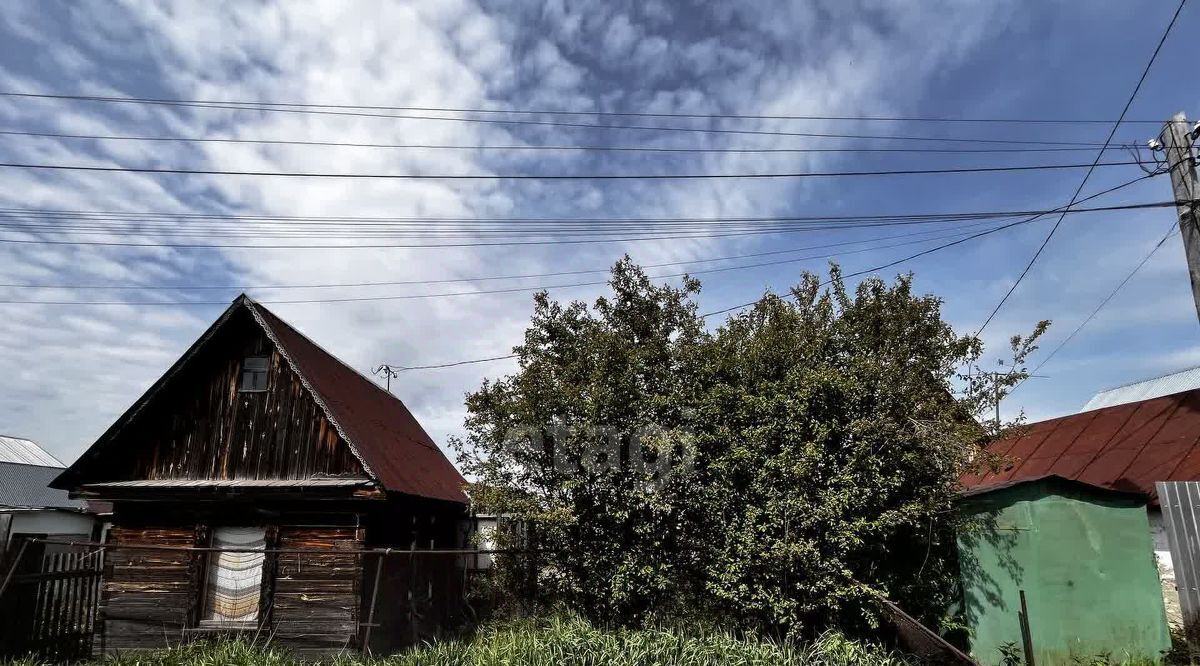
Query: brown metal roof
[1125,447]
[385,436]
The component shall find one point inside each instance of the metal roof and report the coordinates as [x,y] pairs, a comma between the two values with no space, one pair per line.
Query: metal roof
[1049,478]
[389,441]
[391,445]
[1125,447]
[232,483]
[27,486]
[25,452]
[1176,382]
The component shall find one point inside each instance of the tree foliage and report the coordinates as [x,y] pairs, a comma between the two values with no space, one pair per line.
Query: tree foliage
[776,471]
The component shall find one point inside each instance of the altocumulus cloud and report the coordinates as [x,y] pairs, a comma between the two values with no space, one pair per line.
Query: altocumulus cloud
[68,372]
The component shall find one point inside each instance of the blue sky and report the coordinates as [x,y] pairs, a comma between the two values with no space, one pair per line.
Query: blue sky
[69,371]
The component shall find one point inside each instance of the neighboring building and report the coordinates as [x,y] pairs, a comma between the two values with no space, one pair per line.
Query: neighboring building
[259,439]
[1126,447]
[1155,387]
[1081,555]
[28,506]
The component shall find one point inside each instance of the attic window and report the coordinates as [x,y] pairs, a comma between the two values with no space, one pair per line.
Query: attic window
[254,374]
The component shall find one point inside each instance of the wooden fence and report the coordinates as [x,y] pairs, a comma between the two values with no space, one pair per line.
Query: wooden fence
[48,601]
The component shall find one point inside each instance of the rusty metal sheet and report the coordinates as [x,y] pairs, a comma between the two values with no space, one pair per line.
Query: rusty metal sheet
[1125,447]
[385,435]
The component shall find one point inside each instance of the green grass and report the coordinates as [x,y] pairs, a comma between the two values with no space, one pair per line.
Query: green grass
[553,642]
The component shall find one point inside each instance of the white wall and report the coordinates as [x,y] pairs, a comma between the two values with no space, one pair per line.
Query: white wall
[1166,571]
[50,521]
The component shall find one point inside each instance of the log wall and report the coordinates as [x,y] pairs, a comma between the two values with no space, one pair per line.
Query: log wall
[148,595]
[317,595]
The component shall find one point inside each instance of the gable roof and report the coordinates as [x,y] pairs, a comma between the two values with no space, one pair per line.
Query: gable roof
[1155,387]
[27,486]
[391,445]
[1125,447]
[386,437]
[25,452]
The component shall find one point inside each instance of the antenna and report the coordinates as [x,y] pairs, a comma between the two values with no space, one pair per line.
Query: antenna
[387,372]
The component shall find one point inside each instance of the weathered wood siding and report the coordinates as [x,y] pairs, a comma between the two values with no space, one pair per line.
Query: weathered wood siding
[316,595]
[147,595]
[201,427]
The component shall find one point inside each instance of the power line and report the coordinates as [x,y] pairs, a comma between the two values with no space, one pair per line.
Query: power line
[1099,155]
[556,220]
[453,294]
[168,227]
[247,106]
[456,280]
[554,177]
[526,147]
[737,307]
[400,368]
[1121,285]
[638,114]
[508,277]
[698,233]
[950,244]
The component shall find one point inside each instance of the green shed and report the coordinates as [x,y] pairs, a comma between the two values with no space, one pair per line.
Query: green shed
[1083,556]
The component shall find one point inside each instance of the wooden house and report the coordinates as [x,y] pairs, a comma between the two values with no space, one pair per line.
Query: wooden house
[257,439]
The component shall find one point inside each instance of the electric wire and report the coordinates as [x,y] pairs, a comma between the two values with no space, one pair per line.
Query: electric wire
[549,123]
[465,293]
[34,223]
[1099,155]
[539,238]
[1120,285]
[562,177]
[948,245]
[535,147]
[639,114]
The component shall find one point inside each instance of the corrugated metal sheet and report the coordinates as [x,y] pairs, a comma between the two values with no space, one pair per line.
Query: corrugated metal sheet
[1125,447]
[27,486]
[1157,387]
[388,438]
[1181,517]
[25,452]
[231,483]
[1050,478]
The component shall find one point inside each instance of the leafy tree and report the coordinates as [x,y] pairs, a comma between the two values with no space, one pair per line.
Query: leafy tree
[551,444]
[777,471]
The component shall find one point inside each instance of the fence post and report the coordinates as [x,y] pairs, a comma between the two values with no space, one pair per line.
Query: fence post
[374,596]
[1026,636]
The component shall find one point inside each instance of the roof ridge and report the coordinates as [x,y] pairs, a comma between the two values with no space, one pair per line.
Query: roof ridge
[1148,379]
[344,364]
[11,462]
[254,309]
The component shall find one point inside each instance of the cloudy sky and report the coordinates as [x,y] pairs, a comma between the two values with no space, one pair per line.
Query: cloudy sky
[69,370]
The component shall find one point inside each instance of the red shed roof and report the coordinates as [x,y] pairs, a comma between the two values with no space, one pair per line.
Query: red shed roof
[389,441]
[1125,447]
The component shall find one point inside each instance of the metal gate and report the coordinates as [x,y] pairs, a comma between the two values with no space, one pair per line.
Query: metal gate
[48,599]
[1180,502]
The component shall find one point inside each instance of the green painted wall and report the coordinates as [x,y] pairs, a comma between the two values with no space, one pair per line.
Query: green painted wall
[1085,560]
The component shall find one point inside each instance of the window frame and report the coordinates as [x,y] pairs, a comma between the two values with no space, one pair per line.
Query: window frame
[253,373]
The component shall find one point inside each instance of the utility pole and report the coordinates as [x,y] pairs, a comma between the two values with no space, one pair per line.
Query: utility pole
[1177,140]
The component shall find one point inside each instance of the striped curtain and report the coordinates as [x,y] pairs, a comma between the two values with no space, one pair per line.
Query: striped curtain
[234,579]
